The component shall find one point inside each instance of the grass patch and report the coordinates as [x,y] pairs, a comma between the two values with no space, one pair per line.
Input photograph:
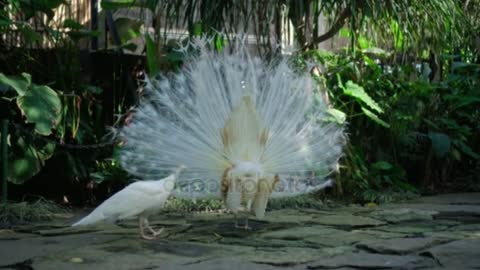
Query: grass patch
[175,205]
[301,201]
[23,212]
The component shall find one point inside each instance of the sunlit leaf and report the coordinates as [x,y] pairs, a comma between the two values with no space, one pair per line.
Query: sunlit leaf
[354,90]
[152,55]
[19,83]
[335,115]
[41,106]
[375,117]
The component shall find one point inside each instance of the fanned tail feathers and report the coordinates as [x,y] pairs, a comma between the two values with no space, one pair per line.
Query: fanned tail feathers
[224,107]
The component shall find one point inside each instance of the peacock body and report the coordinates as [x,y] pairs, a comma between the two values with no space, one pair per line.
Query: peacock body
[245,129]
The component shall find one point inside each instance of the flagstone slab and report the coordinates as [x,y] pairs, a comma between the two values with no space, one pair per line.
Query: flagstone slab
[462,254]
[347,220]
[403,214]
[420,227]
[442,209]
[399,245]
[301,233]
[371,261]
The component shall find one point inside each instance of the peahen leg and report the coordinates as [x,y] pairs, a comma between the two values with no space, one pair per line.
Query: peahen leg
[155,233]
[141,222]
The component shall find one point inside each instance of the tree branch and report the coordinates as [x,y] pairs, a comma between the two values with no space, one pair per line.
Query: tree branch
[346,13]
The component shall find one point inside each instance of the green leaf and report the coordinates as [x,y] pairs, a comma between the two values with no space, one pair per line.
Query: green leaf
[375,118]
[41,106]
[197,29]
[440,143]
[335,115]
[28,32]
[128,29]
[25,160]
[19,84]
[354,90]
[152,56]
[398,40]
[72,24]
[382,165]
[345,32]
[467,150]
[462,100]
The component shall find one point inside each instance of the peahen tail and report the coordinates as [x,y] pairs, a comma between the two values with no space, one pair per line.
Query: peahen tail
[92,218]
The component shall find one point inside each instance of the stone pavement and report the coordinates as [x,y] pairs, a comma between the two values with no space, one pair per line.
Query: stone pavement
[438,232]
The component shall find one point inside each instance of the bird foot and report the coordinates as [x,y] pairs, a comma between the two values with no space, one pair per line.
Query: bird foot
[147,237]
[156,233]
[142,224]
[153,235]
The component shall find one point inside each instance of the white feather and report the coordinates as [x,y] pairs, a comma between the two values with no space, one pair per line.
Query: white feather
[183,116]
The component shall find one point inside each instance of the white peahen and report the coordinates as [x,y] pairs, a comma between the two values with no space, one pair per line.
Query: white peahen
[246,129]
[139,199]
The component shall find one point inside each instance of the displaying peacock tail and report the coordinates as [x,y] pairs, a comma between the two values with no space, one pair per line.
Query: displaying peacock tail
[232,112]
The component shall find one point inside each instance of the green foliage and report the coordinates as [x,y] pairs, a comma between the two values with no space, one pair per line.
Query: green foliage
[109,171]
[397,24]
[26,159]
[64,111]
[42,107]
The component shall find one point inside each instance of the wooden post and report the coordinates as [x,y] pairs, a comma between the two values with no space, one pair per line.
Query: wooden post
[4,160]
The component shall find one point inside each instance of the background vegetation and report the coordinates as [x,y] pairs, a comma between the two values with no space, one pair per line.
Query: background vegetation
[405,78]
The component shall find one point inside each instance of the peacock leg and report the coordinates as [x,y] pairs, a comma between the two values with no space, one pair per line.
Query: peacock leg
[244,227]
[155,233]
[236,221]
[141,223]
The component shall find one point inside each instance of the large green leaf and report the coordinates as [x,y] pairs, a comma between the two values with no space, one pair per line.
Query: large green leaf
[25,160]
[354,90]
[41,106]
[375,117]
[441,143]
[18,83]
